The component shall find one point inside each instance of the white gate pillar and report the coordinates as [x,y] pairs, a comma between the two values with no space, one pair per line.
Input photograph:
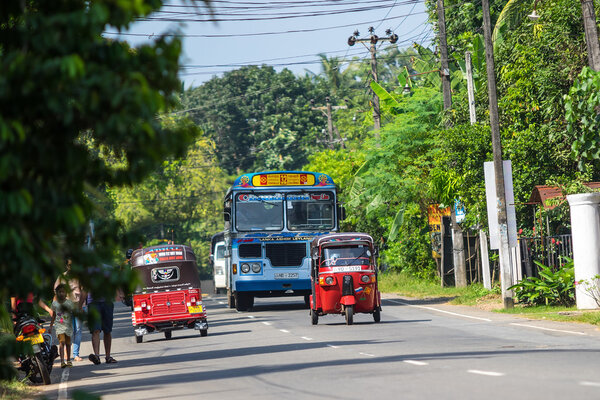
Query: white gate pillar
[585,227]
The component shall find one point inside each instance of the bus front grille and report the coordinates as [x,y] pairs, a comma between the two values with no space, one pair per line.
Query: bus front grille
[286,254]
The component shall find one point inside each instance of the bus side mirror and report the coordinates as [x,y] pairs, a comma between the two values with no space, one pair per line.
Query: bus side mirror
[227,215]
[341,212]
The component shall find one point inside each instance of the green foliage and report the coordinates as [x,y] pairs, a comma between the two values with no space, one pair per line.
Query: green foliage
[77,112]
[253,107]
[582,112]
[551,288]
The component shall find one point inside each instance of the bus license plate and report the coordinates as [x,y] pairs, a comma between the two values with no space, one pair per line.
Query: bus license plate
[195,309]
[286,275]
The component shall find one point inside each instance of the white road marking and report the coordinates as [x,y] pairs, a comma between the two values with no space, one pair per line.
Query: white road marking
[367,354]
[487,373]
[333,347]
[62,388]
[221,302]
[251,316]
[266,322]
[306,338]
[586,383]
[548,329]
[284,331]
[442,311]
[415,362]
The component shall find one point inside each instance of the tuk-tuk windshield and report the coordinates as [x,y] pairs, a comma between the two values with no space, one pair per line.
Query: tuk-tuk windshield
[346,255]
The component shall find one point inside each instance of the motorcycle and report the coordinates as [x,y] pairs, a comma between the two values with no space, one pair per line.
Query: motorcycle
[38,365]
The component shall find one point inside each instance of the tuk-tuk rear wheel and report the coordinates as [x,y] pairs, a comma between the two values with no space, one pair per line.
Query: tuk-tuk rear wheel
[203,332]
[139,339]
[314,317]
[168,334]
[349,311]
[377,315]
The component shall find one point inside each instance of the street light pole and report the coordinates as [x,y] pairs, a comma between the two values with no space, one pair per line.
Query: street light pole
[505,269]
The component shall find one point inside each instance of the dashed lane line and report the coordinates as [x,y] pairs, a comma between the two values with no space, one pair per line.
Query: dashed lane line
[486,373]
[284,331]
[266,322]
[333,346]
[367,354]
[587,383]
[441,311]
[415,362]
[551,330]
[306,338]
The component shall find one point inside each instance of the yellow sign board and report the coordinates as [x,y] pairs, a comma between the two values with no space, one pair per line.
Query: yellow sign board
[283,180]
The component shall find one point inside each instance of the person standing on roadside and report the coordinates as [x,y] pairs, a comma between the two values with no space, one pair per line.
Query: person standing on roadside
[74,294]
[62,318]
[101,320]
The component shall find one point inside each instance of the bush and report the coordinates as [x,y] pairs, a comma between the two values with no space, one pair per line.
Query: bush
[551,288]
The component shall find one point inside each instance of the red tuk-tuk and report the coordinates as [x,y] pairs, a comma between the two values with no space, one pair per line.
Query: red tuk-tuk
[169,297]
[344,276]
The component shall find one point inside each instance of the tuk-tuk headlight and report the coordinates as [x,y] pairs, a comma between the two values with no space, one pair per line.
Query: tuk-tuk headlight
[365,278]
[329,280]
[245,268]
[256,268]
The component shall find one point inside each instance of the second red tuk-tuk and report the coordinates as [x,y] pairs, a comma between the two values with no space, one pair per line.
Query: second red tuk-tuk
[169,297]
[344,276]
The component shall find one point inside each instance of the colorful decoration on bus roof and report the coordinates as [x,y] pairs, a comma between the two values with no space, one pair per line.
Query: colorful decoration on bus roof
[283,178]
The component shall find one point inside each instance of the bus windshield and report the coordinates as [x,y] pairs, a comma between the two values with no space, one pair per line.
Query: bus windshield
[310,210]
[262,212]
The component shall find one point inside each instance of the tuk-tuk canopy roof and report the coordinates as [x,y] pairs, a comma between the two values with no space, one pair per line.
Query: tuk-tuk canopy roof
[166,267]
[341,239]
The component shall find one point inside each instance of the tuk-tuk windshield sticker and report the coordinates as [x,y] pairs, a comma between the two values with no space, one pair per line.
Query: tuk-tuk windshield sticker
[169,274]
[171,253]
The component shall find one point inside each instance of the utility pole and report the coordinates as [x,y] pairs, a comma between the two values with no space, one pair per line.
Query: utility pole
[458,246]
[445,73]
[373,39]
[327,111]
[505,267]
[591,34]
[470,88]
[483,247]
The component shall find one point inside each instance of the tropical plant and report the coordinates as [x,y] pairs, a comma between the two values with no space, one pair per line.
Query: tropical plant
[553,287]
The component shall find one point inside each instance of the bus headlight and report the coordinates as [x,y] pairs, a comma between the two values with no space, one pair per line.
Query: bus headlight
[256,268]
[245,268]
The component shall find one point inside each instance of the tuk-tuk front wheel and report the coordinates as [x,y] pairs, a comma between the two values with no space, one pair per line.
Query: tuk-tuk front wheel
[314,317]
[349,311]
[168,334]
[139,339]
[377,314]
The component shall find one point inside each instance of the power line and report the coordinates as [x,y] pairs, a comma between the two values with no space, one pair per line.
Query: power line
[251,34]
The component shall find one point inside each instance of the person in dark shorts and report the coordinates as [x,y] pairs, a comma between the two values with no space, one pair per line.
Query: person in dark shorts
[104,311]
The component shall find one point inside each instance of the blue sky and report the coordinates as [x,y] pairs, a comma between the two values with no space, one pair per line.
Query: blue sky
[283,33]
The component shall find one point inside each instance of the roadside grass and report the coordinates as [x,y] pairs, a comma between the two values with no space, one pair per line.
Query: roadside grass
[407,285]
[555,313]
[476,295]
[16,390]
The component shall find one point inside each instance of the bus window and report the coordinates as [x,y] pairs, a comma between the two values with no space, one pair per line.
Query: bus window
[259,212]
[310,211]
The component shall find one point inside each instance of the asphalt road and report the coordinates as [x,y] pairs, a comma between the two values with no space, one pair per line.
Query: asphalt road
[417,351]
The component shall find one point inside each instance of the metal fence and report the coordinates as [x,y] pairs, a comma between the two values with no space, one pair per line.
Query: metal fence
[550,251]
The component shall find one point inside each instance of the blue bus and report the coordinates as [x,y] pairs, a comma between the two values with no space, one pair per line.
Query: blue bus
[270,220]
